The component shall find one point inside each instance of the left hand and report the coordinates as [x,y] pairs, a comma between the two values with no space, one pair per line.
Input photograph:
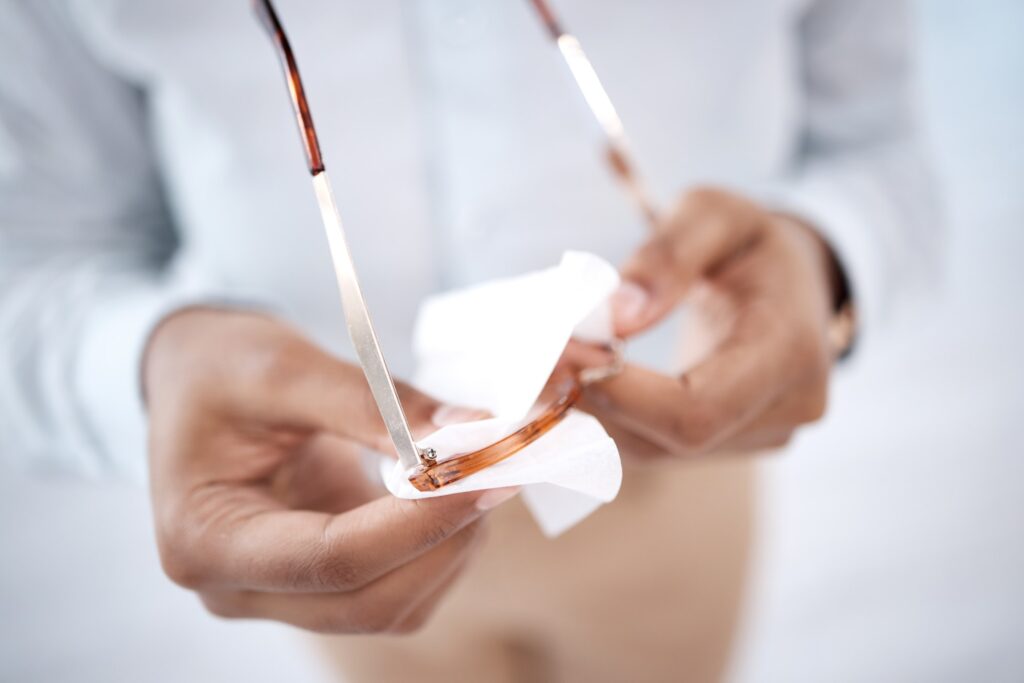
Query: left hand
[774,281]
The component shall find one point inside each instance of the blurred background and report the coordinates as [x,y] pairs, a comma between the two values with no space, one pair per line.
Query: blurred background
[891,536]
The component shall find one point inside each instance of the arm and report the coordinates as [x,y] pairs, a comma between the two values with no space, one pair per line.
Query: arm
[85,244]
[859,176]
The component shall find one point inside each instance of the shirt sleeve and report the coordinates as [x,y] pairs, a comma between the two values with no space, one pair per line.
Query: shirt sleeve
[86,250]
[859,175]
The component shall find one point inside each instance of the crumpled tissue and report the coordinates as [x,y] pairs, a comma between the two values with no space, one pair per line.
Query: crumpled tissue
[493,346]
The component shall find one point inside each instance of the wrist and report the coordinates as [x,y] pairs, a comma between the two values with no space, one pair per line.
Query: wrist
[841,323]
[828,265]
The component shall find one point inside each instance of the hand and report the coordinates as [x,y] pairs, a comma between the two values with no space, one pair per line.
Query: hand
[771,283]
[259,496]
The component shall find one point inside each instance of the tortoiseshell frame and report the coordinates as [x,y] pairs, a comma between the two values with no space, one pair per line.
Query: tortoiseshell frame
[431,474]
[435,475]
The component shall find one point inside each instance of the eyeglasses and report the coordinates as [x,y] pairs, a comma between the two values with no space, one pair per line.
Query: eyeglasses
[430,470]
[617,152]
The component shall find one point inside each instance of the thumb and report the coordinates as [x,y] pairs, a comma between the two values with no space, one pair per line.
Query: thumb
[707,228]
[652,285]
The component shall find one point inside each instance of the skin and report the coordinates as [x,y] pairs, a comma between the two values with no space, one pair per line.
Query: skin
[767,285]
[259,497]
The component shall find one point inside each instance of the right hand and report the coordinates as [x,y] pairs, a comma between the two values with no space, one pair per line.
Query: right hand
[259,496]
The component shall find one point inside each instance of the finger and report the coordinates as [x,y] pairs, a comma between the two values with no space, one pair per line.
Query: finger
[581,355]
[709,403]
[378,607]
[304,551]
[422,611]
[327,474]
[335,396]
[752,441]
[288,382]
[803,403]
[772,429]
[639,450]
[295,384]
[706,229]
[416,617]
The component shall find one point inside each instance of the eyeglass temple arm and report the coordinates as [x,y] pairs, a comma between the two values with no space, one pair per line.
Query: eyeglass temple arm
[268,17]
[600,104]
[549,19]
[357,317]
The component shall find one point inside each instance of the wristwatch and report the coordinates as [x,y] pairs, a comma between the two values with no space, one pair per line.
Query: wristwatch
[842,330]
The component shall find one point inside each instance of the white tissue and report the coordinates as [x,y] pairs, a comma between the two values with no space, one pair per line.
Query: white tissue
[493,346]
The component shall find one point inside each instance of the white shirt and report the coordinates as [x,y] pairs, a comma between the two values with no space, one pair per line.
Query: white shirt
[148,159]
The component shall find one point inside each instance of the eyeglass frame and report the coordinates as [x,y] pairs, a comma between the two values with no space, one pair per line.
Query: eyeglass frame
[429,472]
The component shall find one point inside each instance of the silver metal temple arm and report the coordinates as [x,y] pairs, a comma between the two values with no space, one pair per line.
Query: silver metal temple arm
[360,329]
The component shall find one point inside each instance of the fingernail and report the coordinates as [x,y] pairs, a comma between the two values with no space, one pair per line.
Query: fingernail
[495,497]
[629,301]
[451,415]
